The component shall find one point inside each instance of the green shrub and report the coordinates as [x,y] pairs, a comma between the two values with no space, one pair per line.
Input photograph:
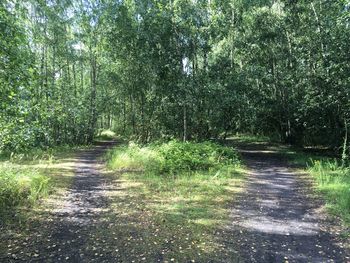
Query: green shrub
[175,157]
[20,187]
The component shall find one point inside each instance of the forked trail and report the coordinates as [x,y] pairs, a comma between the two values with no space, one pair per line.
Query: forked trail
[275,219]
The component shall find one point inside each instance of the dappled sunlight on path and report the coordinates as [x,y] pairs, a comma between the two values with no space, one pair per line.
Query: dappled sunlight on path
[64,229]
[275,219]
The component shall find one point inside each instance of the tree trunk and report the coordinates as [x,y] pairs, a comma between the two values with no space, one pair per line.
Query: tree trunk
[344,155]
[184,123]
[92,96]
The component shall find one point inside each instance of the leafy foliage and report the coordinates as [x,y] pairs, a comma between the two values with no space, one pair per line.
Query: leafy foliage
[151,70]
[191,156]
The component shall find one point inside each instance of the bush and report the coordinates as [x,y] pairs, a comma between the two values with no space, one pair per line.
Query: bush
[175,157]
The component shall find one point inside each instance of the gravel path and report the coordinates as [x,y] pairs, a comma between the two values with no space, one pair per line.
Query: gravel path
[275,220]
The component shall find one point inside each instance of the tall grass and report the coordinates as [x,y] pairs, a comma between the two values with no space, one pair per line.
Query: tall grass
[134,158]
[333,180]
[174,158]
[35,155]
[20,187]
[27,177]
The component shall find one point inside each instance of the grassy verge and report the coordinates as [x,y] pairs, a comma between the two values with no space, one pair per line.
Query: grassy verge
[249,138]
[31,186]
[20,187]
[334,182]
[331,177]
[181,191]
[27,179]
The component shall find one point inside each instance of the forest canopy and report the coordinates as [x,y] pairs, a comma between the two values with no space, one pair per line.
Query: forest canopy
[151,69]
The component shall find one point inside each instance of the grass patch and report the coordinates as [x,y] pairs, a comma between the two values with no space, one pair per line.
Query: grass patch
[249,138]
[197,199]
[333,181]
[28,178]
[184,188]
[20,187]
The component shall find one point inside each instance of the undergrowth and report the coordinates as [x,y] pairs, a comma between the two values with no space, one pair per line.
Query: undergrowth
[174,158]
[26,178]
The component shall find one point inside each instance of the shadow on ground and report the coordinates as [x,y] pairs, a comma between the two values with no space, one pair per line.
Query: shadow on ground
[98,220]
[276,219]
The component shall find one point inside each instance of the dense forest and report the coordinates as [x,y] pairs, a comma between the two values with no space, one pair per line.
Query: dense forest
[174,69]
[175,131]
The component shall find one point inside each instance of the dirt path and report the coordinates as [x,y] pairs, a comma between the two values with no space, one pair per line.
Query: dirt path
[82,209]
[67,232]
[275,220]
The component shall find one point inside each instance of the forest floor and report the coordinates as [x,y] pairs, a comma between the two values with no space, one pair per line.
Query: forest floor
[276,218]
